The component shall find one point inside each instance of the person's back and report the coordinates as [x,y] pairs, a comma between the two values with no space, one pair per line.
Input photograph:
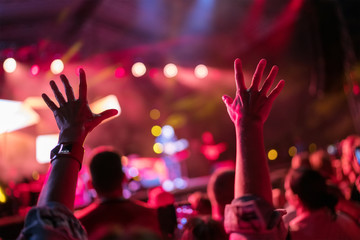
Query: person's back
[315,208]
[128,214]
[111,209]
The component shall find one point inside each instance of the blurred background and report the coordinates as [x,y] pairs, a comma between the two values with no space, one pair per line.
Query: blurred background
[166,64]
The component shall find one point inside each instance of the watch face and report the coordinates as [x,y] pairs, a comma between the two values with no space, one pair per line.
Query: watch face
[65,148]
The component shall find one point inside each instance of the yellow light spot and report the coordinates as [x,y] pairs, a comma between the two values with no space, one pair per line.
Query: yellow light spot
[292,151]
[2,196]
[158,148]
[154,114]
[156,130]
[312,147]
[35,175]
[272,154]
[124,160]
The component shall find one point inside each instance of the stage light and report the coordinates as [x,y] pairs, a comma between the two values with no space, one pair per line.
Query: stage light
[181,145]
[180,183]
[126,193]
[170,70]
[124,160]
[18,115]
[138,69]
[35,175]
[331,149]
[120,72]
[108,102]
[133,172]
[156,131]
[44,144]
[169,148]
[35,69]
[168,185]
[57,66]
[9,65]
[272,154]
[154,114]
[168,132]
[2,196]
[158,148]
[292,151]
[201,71]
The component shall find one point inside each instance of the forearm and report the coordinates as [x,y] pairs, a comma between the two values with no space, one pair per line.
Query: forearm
[252,171]
[60,184]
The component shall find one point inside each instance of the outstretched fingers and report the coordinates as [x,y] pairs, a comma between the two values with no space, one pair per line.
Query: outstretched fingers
[258,75]
[58,95]
[276,91]
[239,76]
[270,80]
[68,89]
[49,103]
[83,86]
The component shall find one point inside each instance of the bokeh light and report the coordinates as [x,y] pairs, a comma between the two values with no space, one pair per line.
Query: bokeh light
[158,148]
[312,147]
[133,172]
[138,69]
[201,71]
[292,151]
[35,175]
[120,72]
[156,130]
[180,183]
[155,114]
[170,70]
[35,69]
[168,131]
[168,185]
[57,66]
[9,65]
[124,160]
[2,196]
[272,154]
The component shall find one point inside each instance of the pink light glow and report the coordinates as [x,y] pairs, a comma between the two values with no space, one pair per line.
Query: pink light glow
[35,69]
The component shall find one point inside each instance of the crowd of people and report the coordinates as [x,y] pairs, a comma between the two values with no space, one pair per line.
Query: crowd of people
[320,198]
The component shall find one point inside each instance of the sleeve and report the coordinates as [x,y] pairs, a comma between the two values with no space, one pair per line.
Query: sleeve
[251,217]
[53,221]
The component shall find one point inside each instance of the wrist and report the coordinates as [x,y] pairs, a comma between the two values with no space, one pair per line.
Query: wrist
[70,150]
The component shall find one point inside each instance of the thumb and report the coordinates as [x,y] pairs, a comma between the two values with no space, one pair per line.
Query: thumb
[101,117]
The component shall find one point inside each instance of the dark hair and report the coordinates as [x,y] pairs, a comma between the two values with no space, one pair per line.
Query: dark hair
[311,188]
[221,186]
[203,229]
[106,171]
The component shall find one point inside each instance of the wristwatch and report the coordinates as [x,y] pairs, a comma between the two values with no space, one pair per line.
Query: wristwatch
[70,150]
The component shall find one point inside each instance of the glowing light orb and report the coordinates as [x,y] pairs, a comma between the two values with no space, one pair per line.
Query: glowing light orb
[312,147]
[168,131]
[155,114]
[201,71]
[35,69]
[156,130]
[120,72]
[292,151]
[272,154]
[2,196]
[331,149]
[158,148]
[138,69]
[126,193]
[9,65]
[133,172]
[168,185]
[180,183]
[170,70]
[57,66]
[170,148]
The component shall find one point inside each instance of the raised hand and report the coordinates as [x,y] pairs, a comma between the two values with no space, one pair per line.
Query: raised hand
[252,103]
[74,116]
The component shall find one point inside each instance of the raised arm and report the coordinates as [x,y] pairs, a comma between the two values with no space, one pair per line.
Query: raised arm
[74,120]
[249,110]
